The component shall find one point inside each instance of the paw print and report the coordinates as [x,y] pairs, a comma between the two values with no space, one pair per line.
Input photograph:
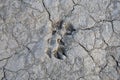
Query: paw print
[57,45]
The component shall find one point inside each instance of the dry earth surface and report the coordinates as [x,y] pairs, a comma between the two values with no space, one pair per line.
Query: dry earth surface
[59,39]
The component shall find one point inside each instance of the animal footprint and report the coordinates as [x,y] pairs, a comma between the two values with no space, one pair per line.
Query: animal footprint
[57,45]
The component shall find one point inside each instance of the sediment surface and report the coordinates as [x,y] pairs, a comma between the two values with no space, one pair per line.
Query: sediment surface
[59,39]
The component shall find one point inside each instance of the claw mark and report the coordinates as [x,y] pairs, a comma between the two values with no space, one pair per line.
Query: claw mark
[53,32]
[69,29]
[60,42]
